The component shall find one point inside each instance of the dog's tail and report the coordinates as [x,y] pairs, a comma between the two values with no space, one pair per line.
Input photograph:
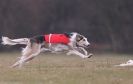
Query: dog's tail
[8,41]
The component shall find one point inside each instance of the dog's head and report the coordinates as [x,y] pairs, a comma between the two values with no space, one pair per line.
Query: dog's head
[82,41]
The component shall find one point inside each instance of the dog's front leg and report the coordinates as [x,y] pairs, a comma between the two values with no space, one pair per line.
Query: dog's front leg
[85,52]
[78,53]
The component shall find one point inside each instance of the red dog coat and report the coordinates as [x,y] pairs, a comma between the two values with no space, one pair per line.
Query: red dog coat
[56,38]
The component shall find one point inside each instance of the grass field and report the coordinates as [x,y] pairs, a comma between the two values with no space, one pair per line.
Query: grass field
[62,69]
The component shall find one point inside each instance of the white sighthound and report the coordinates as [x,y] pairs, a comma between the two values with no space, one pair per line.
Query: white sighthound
[73,42]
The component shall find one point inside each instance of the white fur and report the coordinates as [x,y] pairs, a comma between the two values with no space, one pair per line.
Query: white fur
[73,40]
[84,42]
[8,41]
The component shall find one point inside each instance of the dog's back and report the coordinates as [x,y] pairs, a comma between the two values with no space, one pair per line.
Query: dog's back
[37,39]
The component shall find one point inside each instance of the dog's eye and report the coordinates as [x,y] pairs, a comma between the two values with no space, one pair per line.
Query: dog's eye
[83,39]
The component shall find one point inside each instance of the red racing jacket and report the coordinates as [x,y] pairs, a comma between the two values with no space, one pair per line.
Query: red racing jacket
[56,38]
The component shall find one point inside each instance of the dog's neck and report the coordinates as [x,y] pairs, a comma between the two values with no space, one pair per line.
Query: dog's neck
[73,40]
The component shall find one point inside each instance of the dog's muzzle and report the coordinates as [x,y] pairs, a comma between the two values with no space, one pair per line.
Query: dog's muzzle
[87,45]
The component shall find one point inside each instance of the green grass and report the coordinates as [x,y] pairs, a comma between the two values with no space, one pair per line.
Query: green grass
[62,69]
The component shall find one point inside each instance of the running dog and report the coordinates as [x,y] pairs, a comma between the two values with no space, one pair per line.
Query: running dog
[73,42]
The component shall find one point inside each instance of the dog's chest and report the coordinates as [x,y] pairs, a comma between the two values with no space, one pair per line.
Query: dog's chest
[56,38]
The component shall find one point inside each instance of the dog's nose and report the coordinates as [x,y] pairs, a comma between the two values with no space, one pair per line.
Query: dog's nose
[88,45]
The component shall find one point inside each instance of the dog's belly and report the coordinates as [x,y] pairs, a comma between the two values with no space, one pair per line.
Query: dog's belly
[59,47]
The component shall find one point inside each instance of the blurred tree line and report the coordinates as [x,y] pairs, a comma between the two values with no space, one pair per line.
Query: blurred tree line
[103,22]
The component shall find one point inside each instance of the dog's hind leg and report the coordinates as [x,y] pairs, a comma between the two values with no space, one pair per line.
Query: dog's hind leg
[27,59]
[29,53]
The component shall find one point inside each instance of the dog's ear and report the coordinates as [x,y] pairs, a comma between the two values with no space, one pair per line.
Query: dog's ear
[68,34]
[79,37]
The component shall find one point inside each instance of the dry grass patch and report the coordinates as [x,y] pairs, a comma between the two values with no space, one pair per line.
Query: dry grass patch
[62,69]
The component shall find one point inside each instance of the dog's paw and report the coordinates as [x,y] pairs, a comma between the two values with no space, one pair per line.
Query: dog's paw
[90,55]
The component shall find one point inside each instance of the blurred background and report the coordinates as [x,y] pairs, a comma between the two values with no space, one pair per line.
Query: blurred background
[106,23]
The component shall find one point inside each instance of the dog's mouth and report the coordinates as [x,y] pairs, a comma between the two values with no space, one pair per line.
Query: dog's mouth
[86,46]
